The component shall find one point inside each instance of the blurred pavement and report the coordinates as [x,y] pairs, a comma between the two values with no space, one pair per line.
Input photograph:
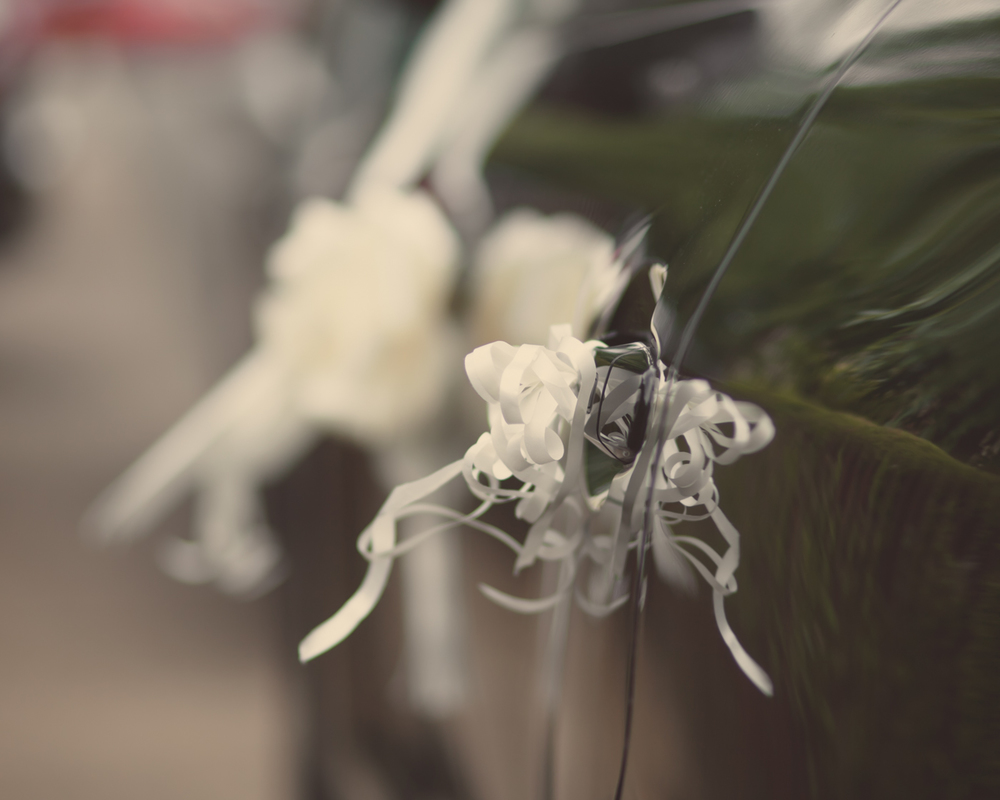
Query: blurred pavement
[120,305]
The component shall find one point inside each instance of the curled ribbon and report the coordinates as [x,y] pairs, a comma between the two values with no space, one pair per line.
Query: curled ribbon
[545,405]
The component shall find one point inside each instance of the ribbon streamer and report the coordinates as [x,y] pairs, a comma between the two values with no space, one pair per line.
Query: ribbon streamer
[381,533]
[545,403]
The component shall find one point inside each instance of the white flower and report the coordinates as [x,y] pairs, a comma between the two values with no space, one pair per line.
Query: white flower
[533,271]
[356,313]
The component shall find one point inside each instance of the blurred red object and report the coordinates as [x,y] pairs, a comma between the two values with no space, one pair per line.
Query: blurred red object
[144,22]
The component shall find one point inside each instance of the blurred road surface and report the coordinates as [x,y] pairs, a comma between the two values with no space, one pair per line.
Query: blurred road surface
[124,300]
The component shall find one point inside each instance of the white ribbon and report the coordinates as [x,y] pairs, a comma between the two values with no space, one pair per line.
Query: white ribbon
[379,539]
[684,478]
[543,401]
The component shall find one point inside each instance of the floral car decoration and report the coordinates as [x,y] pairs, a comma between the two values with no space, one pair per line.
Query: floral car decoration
[572,442]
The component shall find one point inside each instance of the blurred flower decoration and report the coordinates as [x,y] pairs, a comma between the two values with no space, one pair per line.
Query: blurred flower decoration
[353,332]
[352,339]
[532,271]
[356,312]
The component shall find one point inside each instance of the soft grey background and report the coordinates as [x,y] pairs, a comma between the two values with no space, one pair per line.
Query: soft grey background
[124,300]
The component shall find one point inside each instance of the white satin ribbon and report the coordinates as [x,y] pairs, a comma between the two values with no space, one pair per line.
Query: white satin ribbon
[542,401]
[379,540]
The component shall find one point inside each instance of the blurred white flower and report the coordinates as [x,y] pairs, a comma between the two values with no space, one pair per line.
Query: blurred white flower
[533,271]
[356,312]
[353,338]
